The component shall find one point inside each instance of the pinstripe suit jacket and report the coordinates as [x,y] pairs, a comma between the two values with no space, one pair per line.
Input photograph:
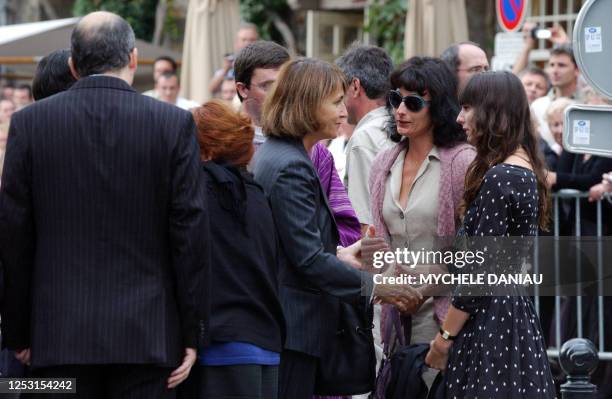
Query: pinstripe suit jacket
[102,223]
[313,280]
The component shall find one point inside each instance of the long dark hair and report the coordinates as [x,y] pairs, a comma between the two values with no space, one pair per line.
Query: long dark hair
[432,75]
[502,124]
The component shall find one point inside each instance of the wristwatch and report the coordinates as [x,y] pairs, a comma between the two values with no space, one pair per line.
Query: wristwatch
[446,335]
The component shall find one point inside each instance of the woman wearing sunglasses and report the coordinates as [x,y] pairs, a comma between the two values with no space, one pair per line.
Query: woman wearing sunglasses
[416,186]
[495,343]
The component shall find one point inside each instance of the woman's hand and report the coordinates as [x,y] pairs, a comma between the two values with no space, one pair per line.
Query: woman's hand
[437,357]
[409,311]
[350,254]
[404,297]
[370,245]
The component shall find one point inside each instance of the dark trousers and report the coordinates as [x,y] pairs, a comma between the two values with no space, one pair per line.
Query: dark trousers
[110,381]
[297,375]
[241,381]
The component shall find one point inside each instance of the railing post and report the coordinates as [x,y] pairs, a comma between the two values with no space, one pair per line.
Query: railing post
[578,359]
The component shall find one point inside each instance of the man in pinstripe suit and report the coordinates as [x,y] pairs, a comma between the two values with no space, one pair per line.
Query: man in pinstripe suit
[102,228]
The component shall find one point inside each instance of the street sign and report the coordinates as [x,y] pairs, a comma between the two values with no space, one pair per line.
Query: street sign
[588,129]
[593,44]
[511,13]
[508,46]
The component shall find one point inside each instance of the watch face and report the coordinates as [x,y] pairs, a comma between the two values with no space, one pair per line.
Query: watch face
[446,335]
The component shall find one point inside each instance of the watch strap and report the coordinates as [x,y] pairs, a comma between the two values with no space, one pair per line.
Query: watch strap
[446,335]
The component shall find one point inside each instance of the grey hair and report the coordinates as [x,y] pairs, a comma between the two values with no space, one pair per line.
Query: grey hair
[371,65]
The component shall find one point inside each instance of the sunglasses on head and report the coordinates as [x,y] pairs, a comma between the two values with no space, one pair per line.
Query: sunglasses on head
[412,102]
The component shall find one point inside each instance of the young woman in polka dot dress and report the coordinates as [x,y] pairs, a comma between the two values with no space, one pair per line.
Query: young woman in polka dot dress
[492,347]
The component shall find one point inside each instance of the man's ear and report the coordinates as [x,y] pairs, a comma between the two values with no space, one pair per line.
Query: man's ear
[133,58]
[73,70]
[242,89]
[356,87]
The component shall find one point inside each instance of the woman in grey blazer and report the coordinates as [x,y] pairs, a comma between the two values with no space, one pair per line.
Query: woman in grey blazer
[306,105]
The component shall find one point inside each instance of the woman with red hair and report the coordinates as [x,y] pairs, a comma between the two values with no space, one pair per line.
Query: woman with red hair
[246,319]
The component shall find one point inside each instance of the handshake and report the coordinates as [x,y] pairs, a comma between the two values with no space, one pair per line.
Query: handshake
[361,256]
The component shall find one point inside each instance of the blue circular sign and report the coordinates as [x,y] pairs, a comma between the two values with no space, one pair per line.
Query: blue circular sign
[510,13]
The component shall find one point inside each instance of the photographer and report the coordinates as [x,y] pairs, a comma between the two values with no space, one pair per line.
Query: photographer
[531,33]
[247,34]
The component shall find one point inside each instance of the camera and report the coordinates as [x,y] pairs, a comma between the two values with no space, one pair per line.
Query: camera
[541,33]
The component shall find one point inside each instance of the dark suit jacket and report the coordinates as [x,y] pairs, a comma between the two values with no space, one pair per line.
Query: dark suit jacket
[312,276]
[102,224]
[574,172]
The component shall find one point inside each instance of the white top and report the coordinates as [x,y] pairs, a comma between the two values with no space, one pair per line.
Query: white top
[338,147]
[539,107]
[259,137]
[416,226]
[181,102]
[369,138]
[151,93]
[186,104]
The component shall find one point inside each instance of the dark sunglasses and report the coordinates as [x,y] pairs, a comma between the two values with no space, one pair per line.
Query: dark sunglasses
[413,102]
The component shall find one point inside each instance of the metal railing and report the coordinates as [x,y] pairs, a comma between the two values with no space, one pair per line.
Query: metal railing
[576,197]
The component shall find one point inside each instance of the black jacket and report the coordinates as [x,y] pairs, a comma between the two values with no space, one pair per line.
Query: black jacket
[102,215]
[311,274]
[573,172]
[245,260]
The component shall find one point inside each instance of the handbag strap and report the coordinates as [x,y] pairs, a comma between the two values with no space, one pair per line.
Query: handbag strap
[402,327]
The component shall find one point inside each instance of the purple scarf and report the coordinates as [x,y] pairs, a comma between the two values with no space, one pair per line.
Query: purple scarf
[349,228]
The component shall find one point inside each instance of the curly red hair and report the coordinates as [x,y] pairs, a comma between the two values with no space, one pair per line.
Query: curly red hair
[224,134]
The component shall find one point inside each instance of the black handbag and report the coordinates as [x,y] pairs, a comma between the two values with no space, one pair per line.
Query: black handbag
[347,365]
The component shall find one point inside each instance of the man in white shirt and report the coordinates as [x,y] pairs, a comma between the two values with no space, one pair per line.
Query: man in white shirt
[167,88]
[367,70]
[564,73]
[161,65]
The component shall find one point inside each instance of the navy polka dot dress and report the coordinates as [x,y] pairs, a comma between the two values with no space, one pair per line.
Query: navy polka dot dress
[500,351]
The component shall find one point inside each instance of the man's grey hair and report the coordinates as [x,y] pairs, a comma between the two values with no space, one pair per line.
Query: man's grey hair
[371,65]
[102,47]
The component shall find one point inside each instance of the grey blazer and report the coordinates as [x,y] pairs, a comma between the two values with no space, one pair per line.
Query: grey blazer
[312,278]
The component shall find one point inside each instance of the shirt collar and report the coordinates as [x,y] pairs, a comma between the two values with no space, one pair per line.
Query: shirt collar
[259,137]
[434,153]
[380,112]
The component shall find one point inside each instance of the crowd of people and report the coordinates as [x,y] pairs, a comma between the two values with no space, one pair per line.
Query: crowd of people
[153,247]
